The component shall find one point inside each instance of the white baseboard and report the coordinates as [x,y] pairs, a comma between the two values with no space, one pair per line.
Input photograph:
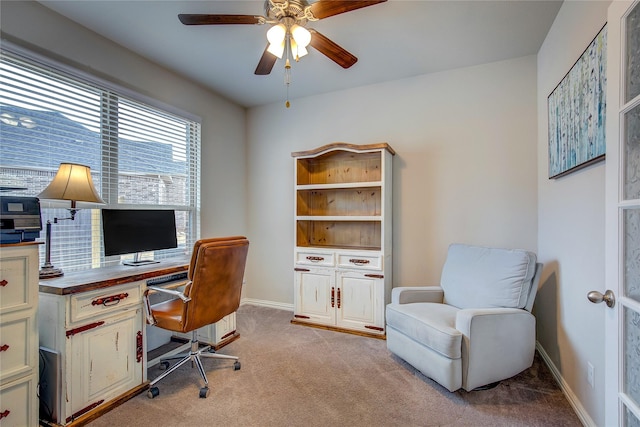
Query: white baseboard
[575,403]
[265,303]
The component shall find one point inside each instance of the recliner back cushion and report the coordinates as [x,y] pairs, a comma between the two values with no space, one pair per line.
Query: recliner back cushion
[479,277]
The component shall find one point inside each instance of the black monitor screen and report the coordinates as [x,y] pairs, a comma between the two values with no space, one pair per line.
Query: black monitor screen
[127,231]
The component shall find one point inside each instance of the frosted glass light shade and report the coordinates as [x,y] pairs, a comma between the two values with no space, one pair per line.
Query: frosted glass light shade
[301,35]
[297,51]
[276,49]
[276,34]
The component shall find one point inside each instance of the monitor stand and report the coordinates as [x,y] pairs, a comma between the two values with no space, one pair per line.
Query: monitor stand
[137,262]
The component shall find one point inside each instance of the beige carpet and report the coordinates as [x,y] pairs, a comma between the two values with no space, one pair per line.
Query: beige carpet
[300,376]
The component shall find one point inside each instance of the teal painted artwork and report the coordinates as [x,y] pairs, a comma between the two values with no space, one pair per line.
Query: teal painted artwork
[577,112]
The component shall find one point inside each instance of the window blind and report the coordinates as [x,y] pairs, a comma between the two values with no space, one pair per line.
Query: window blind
[141,156]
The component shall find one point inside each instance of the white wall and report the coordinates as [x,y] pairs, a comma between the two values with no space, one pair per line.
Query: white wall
[465,169]
[571,229]
[223,122]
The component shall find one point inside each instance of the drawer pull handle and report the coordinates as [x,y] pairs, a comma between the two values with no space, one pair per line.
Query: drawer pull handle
[139,347]
[3,283]
[315,258]
[81,329]
[4,347]
[301,269]
[109,301]
[4,414]
[374,276]
[359,261]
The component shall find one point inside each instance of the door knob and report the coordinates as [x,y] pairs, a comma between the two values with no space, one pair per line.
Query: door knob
[596,297]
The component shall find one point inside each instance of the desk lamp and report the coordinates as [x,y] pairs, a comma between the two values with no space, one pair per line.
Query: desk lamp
[72,182]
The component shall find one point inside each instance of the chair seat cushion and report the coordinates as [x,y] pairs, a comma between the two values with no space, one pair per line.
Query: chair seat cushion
[169,314]
[430,324]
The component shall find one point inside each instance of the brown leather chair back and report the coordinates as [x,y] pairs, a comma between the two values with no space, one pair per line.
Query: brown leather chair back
[196,246]
[216,272]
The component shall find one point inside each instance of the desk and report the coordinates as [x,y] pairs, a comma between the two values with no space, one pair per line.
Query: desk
[93,328]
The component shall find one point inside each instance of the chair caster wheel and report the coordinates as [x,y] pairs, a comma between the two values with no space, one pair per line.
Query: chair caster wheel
[204,392]
[236,366]
[164,366]
[153,392]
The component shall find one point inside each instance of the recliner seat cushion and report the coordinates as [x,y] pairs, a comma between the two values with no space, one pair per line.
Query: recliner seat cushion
[430,324]
[479,277]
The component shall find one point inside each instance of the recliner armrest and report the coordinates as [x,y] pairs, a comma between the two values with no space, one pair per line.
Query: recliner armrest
[497,343]
[410,294]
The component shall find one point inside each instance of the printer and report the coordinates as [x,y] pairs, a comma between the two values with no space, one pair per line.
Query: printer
[20,219]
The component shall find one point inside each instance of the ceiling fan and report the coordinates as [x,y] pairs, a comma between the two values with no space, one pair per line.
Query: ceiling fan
[289,34]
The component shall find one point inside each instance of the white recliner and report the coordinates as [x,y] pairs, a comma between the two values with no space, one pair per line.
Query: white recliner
[476,328]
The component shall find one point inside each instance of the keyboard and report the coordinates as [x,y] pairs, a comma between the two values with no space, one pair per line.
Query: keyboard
[162,280]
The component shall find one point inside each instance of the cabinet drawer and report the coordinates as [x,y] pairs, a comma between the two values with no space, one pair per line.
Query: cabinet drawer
[325,259]
[17,347]
[17,402]
[104,301]
[367,262]
[14,283]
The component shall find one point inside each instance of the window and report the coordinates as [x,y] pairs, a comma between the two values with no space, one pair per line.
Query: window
[140,156]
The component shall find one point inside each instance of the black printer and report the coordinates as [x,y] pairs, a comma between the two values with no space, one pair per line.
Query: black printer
[20,219]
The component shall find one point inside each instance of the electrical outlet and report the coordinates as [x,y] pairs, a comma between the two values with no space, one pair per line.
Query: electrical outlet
[590,374]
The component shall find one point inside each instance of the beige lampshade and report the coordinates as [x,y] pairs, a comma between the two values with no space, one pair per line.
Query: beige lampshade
[72,182]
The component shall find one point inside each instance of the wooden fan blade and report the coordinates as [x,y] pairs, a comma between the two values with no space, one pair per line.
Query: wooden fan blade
[325,8]
[267,61]
[331,50]
[188,19]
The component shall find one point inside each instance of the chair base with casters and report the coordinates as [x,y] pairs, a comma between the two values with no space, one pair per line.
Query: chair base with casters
[192,356]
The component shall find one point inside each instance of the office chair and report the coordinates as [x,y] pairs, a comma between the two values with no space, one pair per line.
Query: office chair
[215,278]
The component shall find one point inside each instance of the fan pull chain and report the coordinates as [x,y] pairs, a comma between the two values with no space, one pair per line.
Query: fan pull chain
[287,80]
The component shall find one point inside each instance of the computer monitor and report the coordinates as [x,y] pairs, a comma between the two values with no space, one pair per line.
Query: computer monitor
[132,231]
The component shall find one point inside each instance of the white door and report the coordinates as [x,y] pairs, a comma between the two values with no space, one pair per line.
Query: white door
[622,320]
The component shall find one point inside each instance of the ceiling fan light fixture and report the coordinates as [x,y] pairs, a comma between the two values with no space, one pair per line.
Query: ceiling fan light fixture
[297,51]
[301,35]
[276,34]
[276,49]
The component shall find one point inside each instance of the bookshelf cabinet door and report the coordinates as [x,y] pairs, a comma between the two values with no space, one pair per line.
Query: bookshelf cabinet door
[315,295]
[359,298]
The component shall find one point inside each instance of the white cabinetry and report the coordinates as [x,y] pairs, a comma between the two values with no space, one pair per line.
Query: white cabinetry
[93,324]
[342,258]
[99,335]
[18,335]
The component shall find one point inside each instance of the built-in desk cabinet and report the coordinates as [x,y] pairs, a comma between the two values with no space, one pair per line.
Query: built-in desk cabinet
[99,336]
[95,323]
[18,335]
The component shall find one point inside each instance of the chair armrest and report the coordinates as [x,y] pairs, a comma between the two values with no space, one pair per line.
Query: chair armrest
[147,304]
[497,343]
[173,292]
[409,294]
[147,308]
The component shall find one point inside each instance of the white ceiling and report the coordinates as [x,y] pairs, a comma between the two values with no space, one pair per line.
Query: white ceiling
[392,40]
